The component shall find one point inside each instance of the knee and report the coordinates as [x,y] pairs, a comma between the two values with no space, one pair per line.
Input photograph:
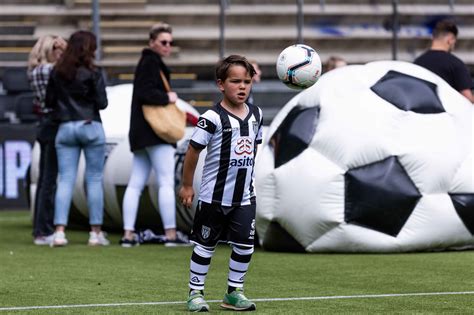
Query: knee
[134,190]
[205,252]
[94,177]
[165,180]
[243,250]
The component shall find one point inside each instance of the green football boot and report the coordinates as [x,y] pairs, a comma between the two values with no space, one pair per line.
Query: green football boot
[196,302]
[237,301]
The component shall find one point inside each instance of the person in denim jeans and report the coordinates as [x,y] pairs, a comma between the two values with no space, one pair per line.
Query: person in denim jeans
[76,93]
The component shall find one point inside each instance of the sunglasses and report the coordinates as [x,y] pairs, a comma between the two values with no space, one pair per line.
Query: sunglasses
[166,43]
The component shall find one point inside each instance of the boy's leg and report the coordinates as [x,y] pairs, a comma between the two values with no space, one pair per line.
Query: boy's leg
[206,232]
[238,265]
[241,234]
[199,266]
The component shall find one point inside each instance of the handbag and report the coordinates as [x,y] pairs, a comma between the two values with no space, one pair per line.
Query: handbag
[168,121]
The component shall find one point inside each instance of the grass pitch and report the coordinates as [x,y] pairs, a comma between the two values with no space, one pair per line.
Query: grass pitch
[152,279]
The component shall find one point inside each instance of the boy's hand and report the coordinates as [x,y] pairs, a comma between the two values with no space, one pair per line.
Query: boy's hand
[186,195]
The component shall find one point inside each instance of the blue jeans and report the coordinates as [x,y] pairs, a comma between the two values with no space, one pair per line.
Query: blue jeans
[73,137]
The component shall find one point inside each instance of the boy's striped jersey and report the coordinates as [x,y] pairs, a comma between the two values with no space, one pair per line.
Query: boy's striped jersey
[231,142]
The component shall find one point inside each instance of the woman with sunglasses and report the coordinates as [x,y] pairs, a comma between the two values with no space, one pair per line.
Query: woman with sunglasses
[149,150]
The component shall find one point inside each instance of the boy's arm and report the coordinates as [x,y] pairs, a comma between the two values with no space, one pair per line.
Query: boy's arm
[186,192]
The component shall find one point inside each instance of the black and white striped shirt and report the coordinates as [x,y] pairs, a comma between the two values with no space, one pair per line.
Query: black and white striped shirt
[231,142]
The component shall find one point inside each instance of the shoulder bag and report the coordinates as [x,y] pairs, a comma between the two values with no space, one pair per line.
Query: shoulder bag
[168,121]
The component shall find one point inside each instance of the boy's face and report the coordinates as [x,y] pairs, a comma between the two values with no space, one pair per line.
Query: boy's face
[236,87]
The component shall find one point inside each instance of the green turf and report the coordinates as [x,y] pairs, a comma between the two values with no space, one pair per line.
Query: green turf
[77,274]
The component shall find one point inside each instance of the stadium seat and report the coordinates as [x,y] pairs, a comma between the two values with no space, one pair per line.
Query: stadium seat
[3,110]
[24,108]
[7,104]
[15,80]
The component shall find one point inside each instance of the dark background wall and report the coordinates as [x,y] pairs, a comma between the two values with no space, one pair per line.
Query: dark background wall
[16,143]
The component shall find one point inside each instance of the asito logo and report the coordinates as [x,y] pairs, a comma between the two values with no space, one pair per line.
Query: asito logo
[246,161]
[244,146]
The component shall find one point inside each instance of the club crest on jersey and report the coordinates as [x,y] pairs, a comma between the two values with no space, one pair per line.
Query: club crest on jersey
[202,123]
[255,126]
[205,232]
[243,146]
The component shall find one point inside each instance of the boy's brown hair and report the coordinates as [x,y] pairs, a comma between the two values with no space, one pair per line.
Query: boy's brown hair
[223,66]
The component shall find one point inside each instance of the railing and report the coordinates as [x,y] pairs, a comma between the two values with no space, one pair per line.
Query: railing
[224,5]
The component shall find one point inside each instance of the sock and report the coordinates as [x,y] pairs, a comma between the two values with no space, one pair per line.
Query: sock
[230,289]
[199,266]
[238,265]
[191,290]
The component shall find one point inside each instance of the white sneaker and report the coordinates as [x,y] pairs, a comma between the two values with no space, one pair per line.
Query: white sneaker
[43,240]
[59,239]
[98,239]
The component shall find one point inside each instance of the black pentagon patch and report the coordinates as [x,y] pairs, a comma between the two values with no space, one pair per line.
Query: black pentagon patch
[464,205]
[278,239]
[294,134]
[409,93]
[380,196]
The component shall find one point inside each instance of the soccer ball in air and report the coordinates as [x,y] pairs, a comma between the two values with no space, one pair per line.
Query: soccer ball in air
[373,158]
[298,66]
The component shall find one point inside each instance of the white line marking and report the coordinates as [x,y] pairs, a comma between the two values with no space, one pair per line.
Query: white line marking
[309,298]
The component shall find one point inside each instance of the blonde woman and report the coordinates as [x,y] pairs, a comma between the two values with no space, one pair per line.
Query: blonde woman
[43,56]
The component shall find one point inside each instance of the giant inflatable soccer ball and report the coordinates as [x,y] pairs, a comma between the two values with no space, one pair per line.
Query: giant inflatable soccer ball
[372,158]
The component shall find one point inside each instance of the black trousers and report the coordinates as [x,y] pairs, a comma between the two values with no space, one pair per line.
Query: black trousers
[43,221]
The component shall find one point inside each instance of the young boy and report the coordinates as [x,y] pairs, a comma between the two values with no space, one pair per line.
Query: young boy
[231,131]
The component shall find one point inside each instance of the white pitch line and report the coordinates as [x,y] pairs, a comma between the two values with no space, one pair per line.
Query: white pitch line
[309,298]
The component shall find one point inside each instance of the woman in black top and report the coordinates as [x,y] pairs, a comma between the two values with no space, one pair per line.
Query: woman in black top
[76,93]
[149,150]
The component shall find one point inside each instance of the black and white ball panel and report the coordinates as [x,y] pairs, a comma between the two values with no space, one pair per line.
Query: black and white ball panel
[409,93]
[389,167]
